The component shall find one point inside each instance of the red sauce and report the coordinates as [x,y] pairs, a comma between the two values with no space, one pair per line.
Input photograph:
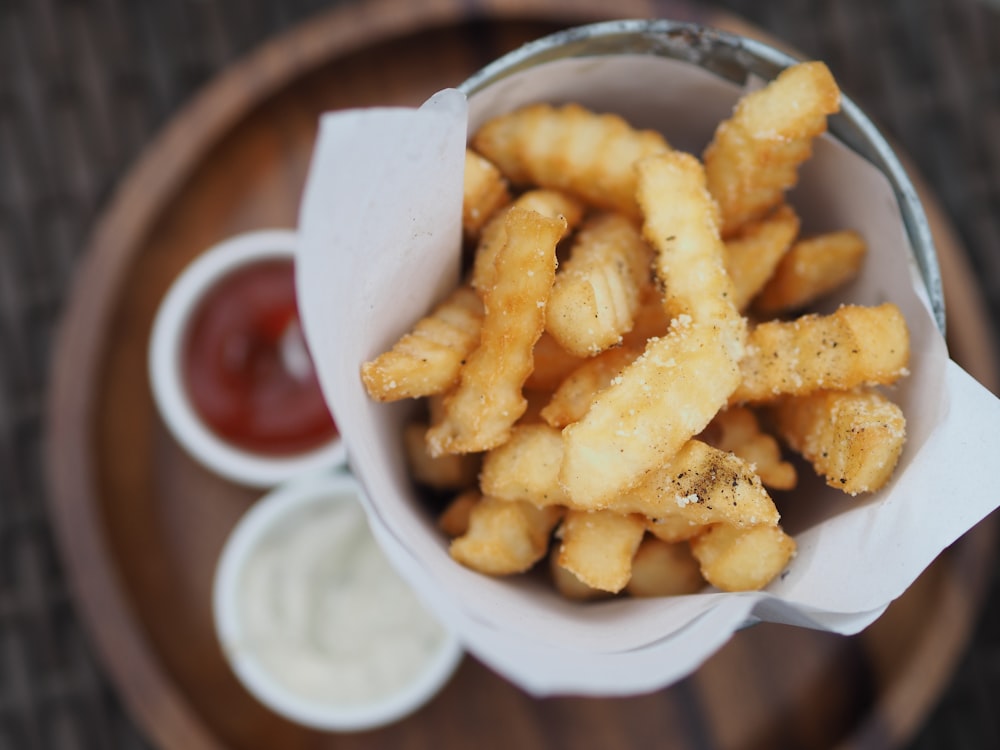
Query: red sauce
[246,366]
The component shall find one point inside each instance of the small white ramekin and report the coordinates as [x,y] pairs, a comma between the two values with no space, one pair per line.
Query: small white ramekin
[279,509]
[165,355]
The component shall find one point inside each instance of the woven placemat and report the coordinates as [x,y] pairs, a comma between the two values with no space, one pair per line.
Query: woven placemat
[85,84]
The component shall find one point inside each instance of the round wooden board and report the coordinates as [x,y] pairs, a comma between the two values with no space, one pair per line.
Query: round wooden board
[140,525]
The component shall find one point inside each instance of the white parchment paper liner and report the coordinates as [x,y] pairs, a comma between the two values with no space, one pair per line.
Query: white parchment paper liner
[379,244]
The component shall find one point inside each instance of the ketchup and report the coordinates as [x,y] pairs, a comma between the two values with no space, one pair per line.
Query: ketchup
[246,366]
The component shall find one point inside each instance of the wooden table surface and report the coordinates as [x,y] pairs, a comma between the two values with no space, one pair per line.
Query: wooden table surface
[222,154]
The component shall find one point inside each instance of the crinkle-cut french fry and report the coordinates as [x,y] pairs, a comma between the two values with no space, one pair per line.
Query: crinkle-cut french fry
[662,569]
[427,360]
[504,537]
[574,395]
[852,438]
[553,203]
[856,345]
[526,467]
[742,559]
[673,529]
[484,192]
[598,547]
[451,471]
[551,364]
[454,519]
[487,401]
[757,250]
[680,221]
[755,154]
[811,269]
[666,396]
[550,203]
[738,431]
[568,584]
[570,148]
[597,290]
[701,485]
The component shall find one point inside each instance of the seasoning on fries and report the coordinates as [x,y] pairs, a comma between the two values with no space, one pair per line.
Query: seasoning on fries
[665,385]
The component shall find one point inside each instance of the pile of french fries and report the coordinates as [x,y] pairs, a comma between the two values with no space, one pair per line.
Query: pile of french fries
[614,382]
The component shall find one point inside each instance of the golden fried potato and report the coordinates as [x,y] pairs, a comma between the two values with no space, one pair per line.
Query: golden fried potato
[427,360]
[756,251]
[852,438]
[754,156]
[567,584]
[737,430]
[570,148]
[504,537]
[813,268]
[598,547]
[742,559]
[853,346]
[487,401]
[526,467]
[449,471]
[484,192]
[454,519]
[662,569]
[550,203]
[680,221]
[700,485]
[673,529]
[597,290]
[574,395]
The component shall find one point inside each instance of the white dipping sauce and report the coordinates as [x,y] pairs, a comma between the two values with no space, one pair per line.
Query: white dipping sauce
[323,612]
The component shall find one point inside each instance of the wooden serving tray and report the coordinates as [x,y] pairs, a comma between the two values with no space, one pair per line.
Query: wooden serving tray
[140,525]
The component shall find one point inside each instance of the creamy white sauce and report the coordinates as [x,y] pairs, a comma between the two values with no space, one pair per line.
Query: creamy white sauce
[323,612]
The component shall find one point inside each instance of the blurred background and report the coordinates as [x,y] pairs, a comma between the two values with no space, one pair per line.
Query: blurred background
[86,86]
